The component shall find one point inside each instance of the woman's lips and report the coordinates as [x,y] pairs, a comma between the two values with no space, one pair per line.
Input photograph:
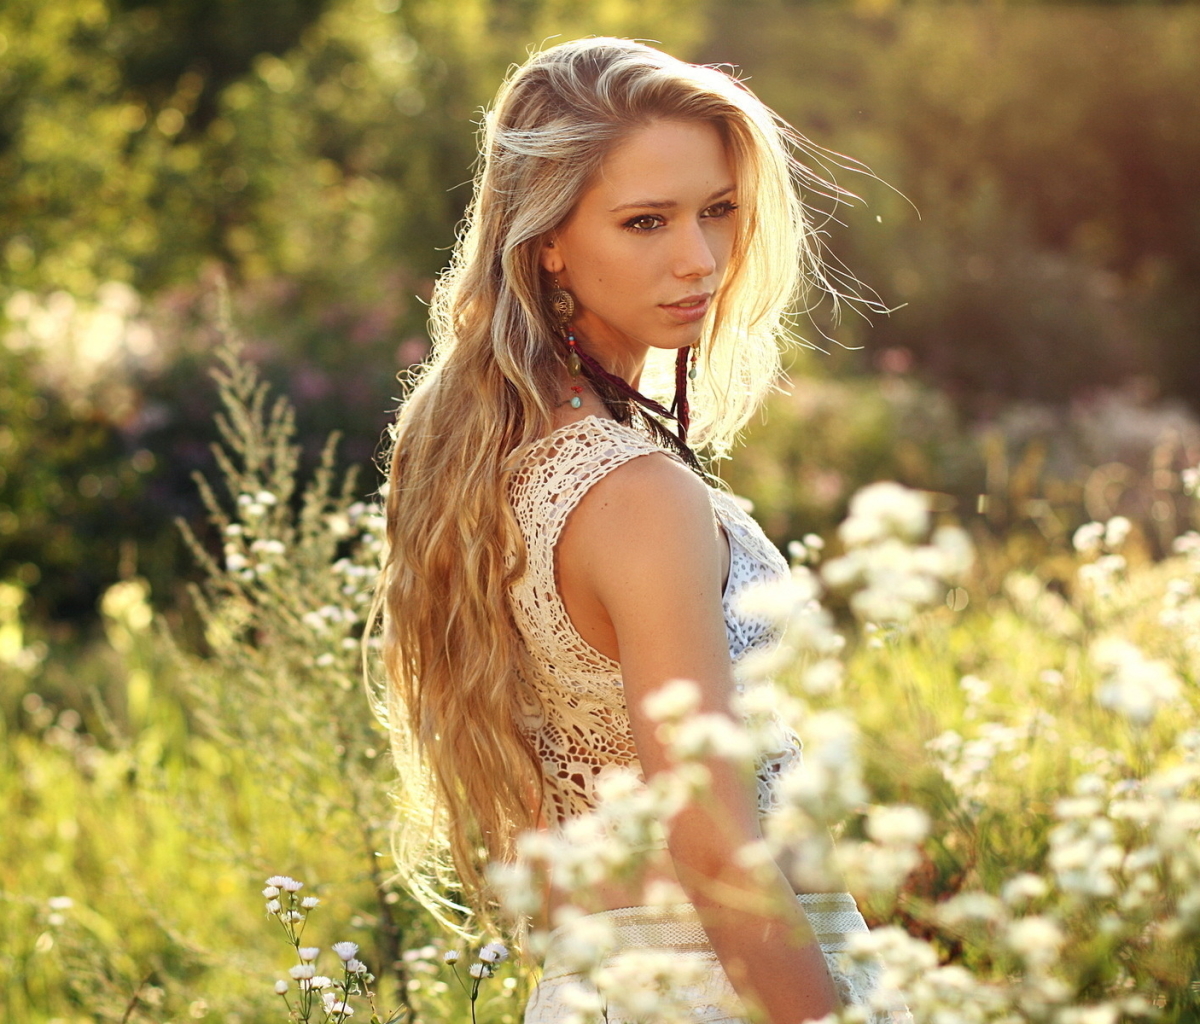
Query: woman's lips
[689,310]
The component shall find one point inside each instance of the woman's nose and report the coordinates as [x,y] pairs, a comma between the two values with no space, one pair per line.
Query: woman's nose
[695,256]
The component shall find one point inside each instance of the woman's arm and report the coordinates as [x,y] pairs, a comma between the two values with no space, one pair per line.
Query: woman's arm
[643,545]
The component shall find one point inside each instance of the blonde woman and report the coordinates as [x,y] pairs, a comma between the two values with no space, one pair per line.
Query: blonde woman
[555,555]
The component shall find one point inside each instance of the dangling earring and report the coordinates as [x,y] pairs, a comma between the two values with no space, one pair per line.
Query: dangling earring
[562,306]
[694,370]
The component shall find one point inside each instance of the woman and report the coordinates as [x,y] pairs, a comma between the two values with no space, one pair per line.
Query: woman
[555,556]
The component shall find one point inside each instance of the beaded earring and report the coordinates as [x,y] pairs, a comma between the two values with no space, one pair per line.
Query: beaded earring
[562,306]
[616,389]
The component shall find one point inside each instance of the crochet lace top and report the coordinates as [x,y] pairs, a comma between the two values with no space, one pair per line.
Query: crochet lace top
[582,726]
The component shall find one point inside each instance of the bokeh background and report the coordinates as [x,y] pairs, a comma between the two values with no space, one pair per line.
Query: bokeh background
[1032,214]
[1035,221]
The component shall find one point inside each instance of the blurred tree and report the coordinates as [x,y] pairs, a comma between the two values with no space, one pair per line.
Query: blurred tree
[158,42]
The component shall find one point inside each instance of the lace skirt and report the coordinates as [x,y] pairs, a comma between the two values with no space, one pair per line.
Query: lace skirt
[660,967]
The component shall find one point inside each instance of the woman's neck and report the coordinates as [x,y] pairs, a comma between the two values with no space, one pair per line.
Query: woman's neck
[618,353]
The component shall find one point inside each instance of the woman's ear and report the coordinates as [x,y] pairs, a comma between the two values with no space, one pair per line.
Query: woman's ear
[551,257]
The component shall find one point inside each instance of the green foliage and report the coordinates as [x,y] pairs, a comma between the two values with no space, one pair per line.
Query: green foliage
[68,494]
[172,782]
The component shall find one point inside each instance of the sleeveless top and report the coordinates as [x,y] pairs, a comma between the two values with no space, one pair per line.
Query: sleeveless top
[582,725]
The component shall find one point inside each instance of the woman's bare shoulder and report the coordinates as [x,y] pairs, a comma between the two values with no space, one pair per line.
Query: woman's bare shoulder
[649,518]
[652,488]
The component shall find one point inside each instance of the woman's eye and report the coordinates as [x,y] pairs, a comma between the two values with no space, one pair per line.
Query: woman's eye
[646,222]
[721,209]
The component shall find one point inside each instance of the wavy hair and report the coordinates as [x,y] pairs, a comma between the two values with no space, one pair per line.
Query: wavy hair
[470,779]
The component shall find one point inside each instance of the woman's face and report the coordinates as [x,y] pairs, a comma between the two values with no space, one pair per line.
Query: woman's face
[646,246]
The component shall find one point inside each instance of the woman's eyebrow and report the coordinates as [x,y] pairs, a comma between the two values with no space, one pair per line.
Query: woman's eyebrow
[667,204]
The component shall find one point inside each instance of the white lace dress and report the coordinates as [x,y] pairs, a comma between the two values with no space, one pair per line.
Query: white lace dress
[580,725]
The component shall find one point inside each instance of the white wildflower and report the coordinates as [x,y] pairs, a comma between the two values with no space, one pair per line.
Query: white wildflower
[672,701]
[452,956]
[971,907]
[282,881]
[309,902]
[905,958]
[828,781]
[345,950]
[711,734]
[1116,532]
[1098,1013]
[480,970]
[583,941]
[281,988]
[1036,939]
[308,953]
[493,953]
[515,885]
[1088,538]
[270,892]
[273,906]
[661,892]
[877,868]
[302,971]
[1134,685]
[897,825]
[356,966]
[885,509]
[780,599]
[1022,888]
[822,678]
[976,689]
[1077,807]
[957,554]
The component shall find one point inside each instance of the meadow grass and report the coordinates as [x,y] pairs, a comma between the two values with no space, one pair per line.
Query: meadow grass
[147,790]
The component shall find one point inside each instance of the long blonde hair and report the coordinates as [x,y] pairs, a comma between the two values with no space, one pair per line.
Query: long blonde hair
[469,775]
